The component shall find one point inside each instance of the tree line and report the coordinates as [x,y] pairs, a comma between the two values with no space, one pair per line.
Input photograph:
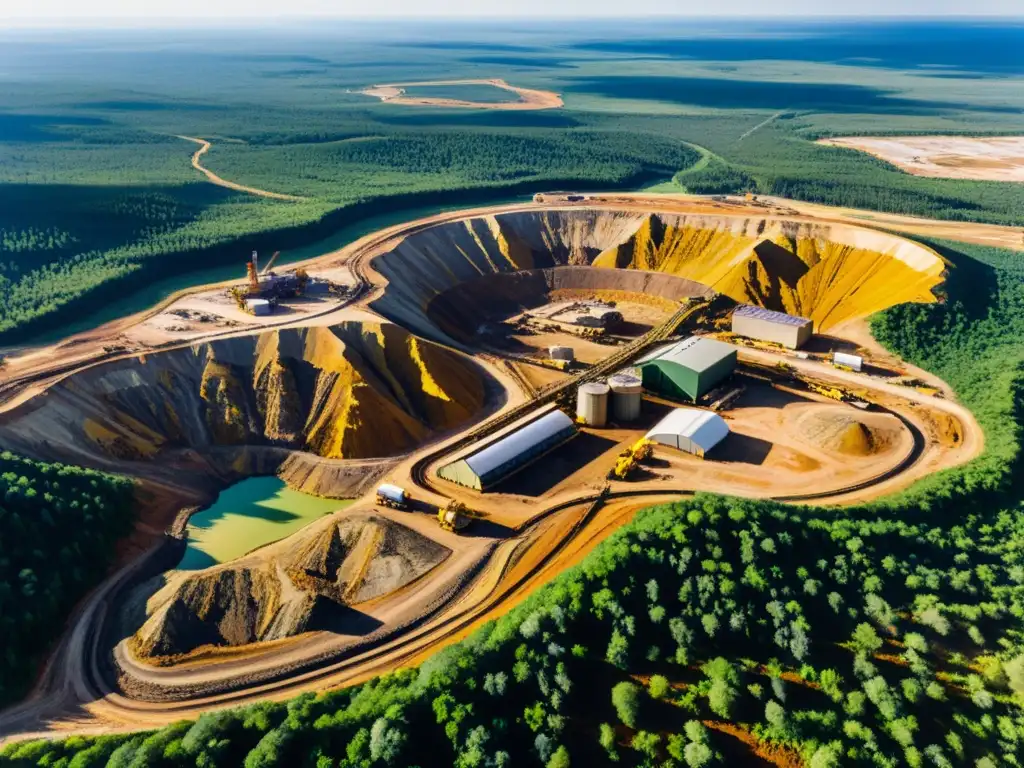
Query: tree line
[58,526]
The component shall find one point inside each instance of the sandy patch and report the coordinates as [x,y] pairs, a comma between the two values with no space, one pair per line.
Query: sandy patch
[996,158]
[395,93]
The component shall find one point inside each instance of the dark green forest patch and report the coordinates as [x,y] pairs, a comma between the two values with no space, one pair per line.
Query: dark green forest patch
[725,93]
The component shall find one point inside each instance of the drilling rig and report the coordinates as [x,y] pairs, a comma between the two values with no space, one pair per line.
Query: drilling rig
[252,272]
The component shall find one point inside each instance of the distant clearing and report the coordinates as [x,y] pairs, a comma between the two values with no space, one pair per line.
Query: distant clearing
[997,158]
[396,93]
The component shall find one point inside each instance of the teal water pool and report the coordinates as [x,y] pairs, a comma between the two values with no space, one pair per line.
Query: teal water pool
[247,515]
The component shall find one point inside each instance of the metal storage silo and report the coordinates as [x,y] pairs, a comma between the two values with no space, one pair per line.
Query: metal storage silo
[627,394]
[592,404]
[559,352]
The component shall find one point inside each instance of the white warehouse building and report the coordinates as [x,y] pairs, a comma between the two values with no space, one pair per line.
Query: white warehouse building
[767,325]
[690,430]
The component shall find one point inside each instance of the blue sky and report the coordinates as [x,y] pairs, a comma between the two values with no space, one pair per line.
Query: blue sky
[155,11]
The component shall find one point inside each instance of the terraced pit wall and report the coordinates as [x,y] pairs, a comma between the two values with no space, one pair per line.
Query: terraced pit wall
[350,391]
[828,272]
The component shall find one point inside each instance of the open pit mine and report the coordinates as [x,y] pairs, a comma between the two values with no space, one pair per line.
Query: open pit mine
[428,395]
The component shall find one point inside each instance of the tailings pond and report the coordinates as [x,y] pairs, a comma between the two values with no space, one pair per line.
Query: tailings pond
[250,514]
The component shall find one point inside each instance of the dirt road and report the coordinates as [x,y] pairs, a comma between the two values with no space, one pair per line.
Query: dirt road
[204,147]
[395,93]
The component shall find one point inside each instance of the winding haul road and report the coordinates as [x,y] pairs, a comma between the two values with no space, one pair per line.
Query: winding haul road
[204,147]
[79,692]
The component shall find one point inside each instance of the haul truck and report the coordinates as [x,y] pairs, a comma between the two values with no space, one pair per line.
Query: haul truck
[392,496]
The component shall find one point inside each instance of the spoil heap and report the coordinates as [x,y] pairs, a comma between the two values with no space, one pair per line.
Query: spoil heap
[354,390]
[298,585]
[840,433]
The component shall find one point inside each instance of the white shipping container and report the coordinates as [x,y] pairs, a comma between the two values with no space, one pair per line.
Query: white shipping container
[856,362]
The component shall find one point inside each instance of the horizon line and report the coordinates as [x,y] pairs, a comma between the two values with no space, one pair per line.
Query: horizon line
[77,22]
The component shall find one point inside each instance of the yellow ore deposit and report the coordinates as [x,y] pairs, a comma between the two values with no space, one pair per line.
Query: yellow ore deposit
[349,391]
[827,273]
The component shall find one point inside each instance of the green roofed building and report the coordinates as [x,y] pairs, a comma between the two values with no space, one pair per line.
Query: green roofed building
[687,369]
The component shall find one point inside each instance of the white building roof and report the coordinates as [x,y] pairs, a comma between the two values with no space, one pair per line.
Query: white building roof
[522,440]
[770,315]
[703,428]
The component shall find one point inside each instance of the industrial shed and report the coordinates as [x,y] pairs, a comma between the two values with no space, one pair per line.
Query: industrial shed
[690,430]
[688,368]
[484,467]
[766,325]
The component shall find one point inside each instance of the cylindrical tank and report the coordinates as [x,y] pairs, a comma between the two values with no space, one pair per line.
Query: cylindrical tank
[592,404]
[558,352]
[627,394]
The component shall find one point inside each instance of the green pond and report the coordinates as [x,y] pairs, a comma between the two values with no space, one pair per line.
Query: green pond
[247,515]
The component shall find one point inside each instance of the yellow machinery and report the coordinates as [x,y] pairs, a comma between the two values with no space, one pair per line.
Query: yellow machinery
[630,458]
[831,392]
[624,467]
[454,516]
[643,449]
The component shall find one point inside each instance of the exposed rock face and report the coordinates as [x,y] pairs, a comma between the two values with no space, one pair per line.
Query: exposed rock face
[294,586]
[827,272]
[354,390]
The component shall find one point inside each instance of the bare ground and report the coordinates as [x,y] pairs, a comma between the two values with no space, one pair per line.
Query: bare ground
[993,158]
[394,93]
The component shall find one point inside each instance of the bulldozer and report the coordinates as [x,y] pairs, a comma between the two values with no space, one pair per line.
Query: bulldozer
[454,516]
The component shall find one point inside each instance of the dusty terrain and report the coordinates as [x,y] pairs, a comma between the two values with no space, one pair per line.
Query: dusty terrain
[782,443]
[992,158]
[787,444]
[394,93]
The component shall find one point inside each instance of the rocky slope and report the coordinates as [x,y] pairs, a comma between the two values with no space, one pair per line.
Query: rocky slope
[350,391]
[301,584]
[829,272]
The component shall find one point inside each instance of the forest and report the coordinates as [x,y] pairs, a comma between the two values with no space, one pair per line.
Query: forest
[702,634]
[58,528]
